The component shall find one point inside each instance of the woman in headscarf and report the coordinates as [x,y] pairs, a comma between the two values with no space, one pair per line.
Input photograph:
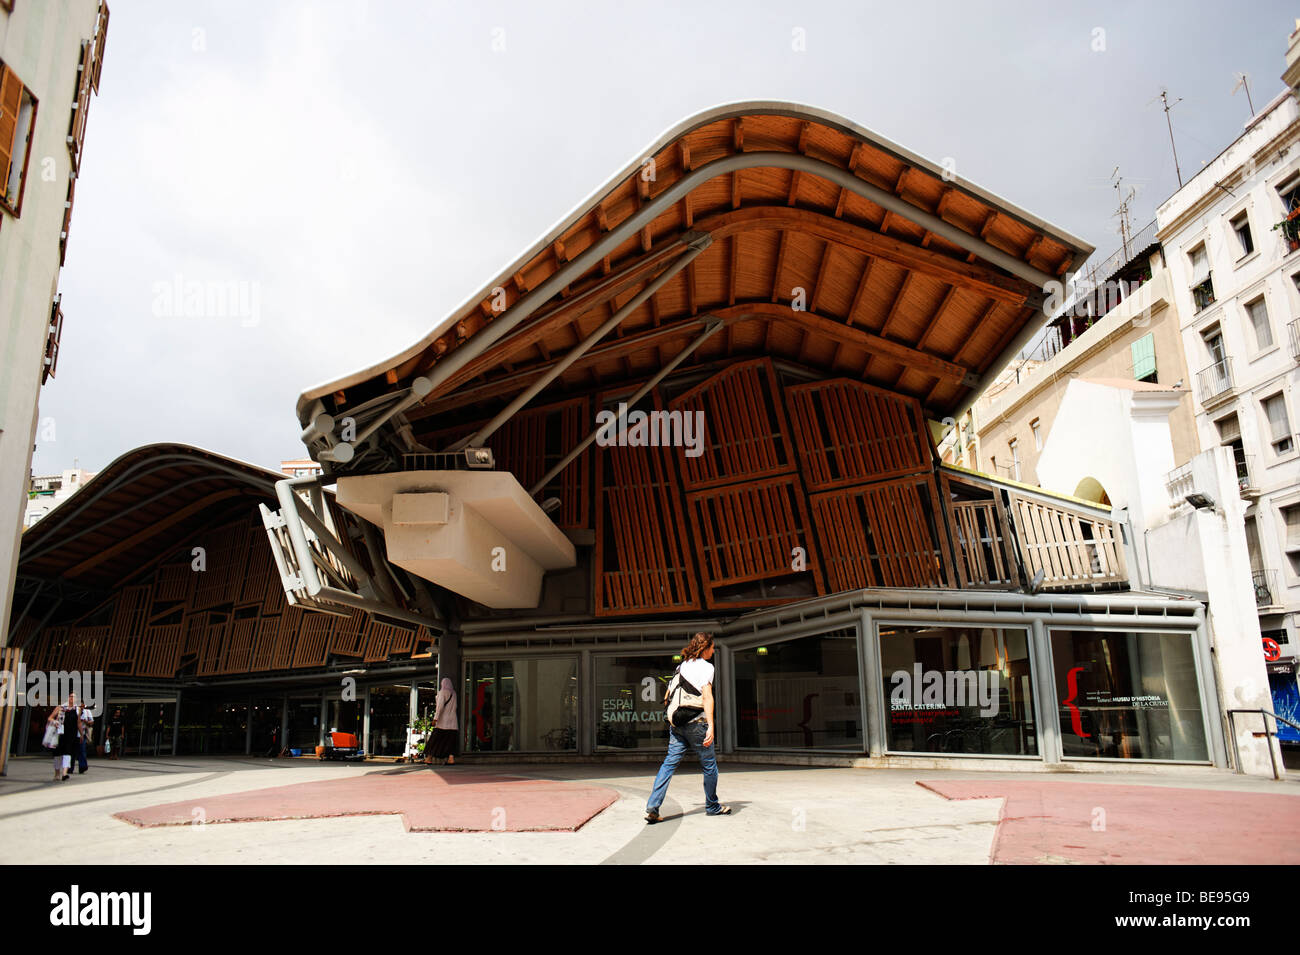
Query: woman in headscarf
[65,749]
[446,727]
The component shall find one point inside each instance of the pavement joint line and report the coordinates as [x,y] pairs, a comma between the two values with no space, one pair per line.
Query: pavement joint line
[82,802]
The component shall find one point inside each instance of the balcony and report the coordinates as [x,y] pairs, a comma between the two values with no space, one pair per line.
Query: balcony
[1246,482]
[1266,590]
[1214,384]
[1179,483]
[1005,537]
[1293,329]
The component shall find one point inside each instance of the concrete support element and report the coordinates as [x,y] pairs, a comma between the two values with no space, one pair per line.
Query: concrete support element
[176,722]
[869,666]
[248,729]
[723,700]
[1040,656]
[365,723]
[477,533]
[586,727]
[1204,550]
[284,721]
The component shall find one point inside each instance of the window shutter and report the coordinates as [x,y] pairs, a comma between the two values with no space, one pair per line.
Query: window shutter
[1259,318]
[11,97]
[1144,357]
[1292,527]
[1275,408]
[100,38]
[1200,265]
[1229,428]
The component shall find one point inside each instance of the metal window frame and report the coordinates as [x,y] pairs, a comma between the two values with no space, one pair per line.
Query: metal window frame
[1199,664]
[970,621]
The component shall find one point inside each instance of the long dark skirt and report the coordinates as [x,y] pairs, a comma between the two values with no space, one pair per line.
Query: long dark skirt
[443,743]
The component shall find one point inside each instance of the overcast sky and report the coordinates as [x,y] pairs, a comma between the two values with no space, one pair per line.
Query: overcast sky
[360,168]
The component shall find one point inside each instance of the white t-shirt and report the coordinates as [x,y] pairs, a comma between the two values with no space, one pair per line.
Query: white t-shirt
[698,673]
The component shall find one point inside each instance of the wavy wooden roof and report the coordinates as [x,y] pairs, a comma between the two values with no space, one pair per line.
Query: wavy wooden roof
[144,504]
[887,298]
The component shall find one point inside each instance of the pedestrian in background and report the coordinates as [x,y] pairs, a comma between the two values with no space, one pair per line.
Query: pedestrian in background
[68,726]
[445,724]
[86,724]
[116,735]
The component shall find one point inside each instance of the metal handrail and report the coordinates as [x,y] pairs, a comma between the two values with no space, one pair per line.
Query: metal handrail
[1269,734]
[1216,376]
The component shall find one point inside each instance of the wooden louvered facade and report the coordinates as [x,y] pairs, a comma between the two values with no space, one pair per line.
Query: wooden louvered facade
[226,619]
[793,489]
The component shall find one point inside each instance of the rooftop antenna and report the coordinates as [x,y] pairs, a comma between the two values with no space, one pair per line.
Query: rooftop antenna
[1243,82]
[1164,99]
[1125,227]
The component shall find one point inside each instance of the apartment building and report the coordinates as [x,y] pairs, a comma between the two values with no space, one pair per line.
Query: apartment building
[1232,243]
[1120,325]
[49,491]
[51,57]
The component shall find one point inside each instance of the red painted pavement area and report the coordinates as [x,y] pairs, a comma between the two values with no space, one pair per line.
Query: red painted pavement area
[458,800]
[1047,821]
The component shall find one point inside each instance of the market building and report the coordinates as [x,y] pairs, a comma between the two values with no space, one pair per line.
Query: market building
[707,399]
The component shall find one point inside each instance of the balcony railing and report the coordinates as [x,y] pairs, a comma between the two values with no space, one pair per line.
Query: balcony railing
[1011,537]
[1293,327]
[1179,483]
[1246,483]
[1266,592]
[1214,381]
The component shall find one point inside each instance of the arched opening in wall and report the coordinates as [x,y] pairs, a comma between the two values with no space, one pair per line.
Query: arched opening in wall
[1090,489]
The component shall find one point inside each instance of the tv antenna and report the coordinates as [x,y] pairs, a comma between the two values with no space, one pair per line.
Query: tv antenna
[1167,106]
[1243,82]
[1122,213]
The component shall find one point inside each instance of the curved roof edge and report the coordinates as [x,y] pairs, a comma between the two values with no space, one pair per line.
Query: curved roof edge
[104,478]
[1081,248]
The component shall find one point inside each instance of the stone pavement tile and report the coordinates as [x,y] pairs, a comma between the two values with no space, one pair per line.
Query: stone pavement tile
[1058,822]
[454,800]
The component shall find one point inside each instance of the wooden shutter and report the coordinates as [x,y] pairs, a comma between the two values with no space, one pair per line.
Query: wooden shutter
[99,39]
[11,98]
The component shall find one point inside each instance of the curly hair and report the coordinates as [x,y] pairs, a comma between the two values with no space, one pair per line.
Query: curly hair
[697,645]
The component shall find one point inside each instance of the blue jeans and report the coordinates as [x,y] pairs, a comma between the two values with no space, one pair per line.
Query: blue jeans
[690,736]
[81,754]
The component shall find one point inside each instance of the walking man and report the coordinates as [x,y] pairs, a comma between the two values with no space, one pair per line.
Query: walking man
[697,734]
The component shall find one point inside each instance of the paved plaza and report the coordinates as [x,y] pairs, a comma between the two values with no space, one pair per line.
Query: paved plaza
[188,810]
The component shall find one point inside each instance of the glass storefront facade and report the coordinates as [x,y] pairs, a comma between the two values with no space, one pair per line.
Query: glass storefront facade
[1128,695]
[529,704]
[390,715]
[629,708]
[985,685]
[304,723]
[959,690]
[803,693]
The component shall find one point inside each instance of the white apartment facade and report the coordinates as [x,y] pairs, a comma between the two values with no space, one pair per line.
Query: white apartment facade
[1234,260]
[49,491]
[51,56]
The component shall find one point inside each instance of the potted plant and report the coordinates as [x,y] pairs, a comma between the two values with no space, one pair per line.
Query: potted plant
[1290,227]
